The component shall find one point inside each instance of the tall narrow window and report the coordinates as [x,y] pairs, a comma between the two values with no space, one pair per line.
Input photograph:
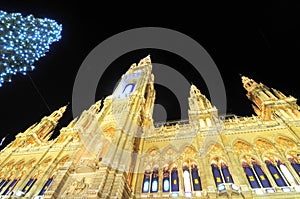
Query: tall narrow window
[174,179]
[10,187]
[186,179]
[4,184]
[154,180]
[275,174]
[287,174]
[261,175]
[46,186]
[217,174]
[29,185]
[295,165]
[250,175]
[226,173]
[166,179]
[196,178]
[146,181]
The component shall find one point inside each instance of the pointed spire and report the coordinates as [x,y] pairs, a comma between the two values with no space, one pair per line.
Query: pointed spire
[200,102]
[194,90]
[201,112]
[145,61]
[56,115]
[248,83]
[95,108]
[267,101]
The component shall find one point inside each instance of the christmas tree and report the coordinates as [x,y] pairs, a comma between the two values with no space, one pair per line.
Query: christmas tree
[23,40]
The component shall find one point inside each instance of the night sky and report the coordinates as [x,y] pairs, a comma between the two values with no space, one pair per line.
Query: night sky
[260,41]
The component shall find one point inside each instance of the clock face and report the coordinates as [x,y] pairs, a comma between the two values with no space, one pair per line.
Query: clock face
[128,84]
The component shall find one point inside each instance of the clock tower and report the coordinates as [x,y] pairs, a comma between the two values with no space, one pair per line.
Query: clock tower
[126,116]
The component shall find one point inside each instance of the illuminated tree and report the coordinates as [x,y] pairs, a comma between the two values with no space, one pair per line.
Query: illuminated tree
[23,40]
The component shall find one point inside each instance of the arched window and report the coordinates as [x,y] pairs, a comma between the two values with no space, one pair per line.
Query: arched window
[46,186]
[6,181]
[250,175]
[2,182]
[146,181]
[196,178]
[11,186]
[29,184]
[128,88]
[217,174]
[261,175]
[286,173]
[166,179]
[174,180]
[221,174]
[154,180]
[275,173]
[226,173]
[294,164]
[186,179]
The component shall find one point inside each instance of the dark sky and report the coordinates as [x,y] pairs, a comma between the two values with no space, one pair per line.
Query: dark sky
[260,41]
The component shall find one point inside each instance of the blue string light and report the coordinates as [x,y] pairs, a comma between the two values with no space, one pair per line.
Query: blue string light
[23,40]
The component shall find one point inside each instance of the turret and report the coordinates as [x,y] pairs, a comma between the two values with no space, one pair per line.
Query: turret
[45,127]
[95,108]
[39,133]
[131,104]
[128,116]
[201,113]
[268,103]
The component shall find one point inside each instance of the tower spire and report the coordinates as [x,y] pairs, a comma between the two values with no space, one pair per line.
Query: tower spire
[267,102]
[40,132]
[48,124]
[201,113]
[56,115]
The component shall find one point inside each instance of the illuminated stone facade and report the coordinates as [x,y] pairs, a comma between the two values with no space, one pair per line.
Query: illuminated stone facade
[113,150]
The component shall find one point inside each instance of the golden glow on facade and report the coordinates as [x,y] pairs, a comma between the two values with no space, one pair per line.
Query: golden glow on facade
[114,150]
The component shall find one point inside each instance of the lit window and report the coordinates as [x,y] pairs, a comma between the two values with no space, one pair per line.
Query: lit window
[46,186]
[11,187]
[295,165]
[261,175]
[217,174]
[186,179]
[275,173]
[166,180]
[154,181]
[196,178]
[287,174]
[226,173]
[250,175]
[174,180]
[29,185]
[146,182]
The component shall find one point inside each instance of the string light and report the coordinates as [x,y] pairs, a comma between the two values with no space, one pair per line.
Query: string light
[23,40]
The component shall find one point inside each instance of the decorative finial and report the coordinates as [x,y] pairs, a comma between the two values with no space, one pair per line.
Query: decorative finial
[63,109]
[194,89]
[145,61]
